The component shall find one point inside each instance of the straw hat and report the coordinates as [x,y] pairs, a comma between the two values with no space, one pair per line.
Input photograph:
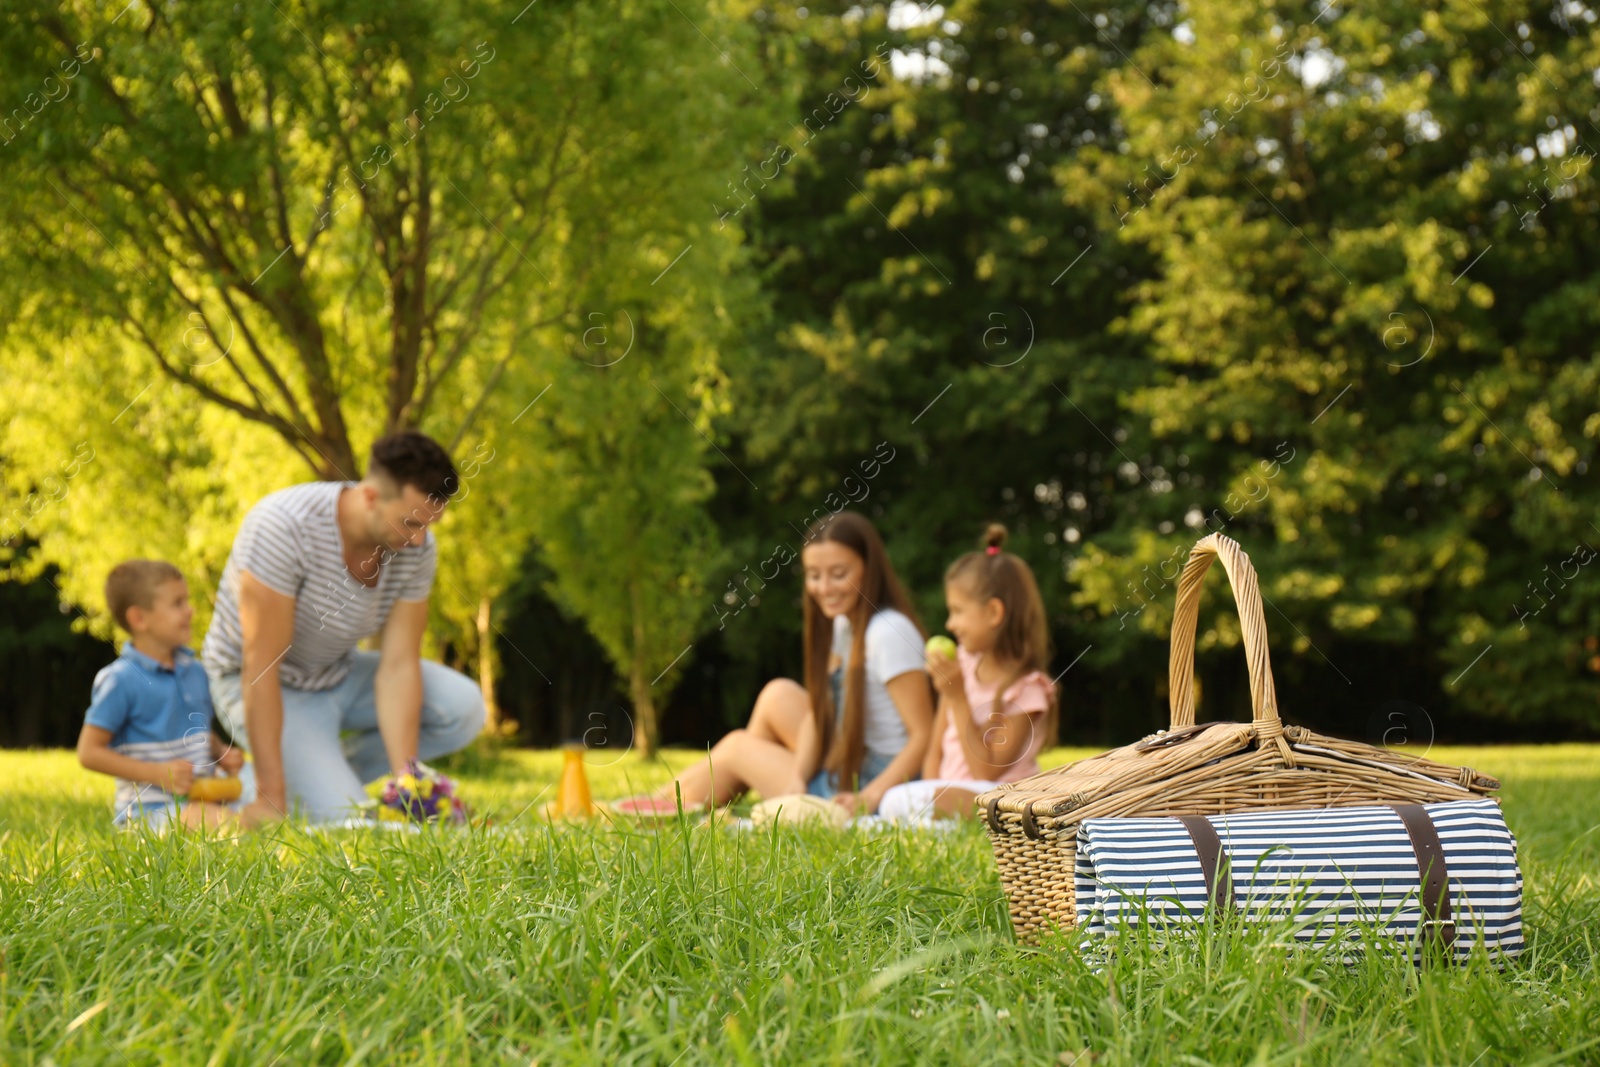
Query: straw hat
[797,809]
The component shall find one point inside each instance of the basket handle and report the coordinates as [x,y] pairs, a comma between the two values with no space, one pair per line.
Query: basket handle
[1180,667]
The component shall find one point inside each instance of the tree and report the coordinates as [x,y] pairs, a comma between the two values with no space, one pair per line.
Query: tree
[1271,202]
[939,353]
[624,526]
[324,221]
[1370,306]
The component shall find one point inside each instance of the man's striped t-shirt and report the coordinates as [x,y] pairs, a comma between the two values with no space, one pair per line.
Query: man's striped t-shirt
[290,542]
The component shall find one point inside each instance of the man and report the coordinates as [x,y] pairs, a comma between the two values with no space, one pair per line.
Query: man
[315,568]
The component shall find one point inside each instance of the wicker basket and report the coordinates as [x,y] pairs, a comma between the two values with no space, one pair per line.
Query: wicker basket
[1205,769]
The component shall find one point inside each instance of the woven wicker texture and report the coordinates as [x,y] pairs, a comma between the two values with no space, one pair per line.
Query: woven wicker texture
[1196,769]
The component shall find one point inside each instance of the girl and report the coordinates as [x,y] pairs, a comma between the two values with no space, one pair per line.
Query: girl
[863,719]
[997,706]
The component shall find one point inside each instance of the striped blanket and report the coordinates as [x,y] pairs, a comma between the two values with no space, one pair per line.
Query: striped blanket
[1326,869]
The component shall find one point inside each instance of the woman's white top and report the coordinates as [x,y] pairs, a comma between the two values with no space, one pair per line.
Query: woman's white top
[894,646]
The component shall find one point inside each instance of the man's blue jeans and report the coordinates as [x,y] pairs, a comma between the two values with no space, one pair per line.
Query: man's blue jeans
[324,774]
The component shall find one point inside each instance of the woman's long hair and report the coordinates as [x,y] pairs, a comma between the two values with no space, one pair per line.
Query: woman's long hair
[1024,638]
[844,748]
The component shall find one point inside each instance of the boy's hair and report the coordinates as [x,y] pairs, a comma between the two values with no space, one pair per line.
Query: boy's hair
[1024,637]
[409,457]
[133,583]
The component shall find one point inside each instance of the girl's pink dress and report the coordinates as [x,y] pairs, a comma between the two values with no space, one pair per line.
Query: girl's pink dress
[1026,700]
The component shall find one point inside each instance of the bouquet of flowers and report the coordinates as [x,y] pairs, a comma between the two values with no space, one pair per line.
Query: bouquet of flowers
[421,794]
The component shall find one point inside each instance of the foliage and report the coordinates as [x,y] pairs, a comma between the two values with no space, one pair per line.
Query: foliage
[1368,334]
[938,354]
[252,239]
[1273,331]
[623,523]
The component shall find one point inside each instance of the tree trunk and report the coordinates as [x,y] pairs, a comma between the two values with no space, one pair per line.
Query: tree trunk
[646,732]
[491,709]
[335,461]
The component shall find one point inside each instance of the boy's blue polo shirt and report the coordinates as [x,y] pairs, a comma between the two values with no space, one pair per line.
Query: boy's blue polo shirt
[153,713]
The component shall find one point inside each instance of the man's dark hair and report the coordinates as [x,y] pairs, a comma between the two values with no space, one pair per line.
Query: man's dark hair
[409,457]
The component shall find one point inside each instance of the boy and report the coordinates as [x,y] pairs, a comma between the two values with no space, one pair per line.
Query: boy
[149,722]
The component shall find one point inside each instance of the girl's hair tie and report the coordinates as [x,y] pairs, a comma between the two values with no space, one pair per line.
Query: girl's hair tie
[992,550]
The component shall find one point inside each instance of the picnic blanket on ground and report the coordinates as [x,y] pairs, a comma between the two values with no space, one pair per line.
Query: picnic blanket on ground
[1326,868]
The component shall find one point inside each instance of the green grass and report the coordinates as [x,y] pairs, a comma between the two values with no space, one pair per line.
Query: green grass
[694,946]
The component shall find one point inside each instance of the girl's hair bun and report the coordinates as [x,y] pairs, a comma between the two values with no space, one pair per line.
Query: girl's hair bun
[994,536]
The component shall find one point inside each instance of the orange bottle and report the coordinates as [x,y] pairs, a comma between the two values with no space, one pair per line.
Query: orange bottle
[573,801]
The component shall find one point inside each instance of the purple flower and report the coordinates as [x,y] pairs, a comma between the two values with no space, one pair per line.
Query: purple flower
[440,803]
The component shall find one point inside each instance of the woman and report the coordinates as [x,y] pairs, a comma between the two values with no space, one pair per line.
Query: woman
[861,723]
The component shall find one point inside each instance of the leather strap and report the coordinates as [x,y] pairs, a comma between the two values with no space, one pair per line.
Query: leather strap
[1213,861]
[1431,870]
[1029,826]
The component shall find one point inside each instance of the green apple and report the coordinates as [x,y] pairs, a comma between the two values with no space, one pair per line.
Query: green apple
[940,645]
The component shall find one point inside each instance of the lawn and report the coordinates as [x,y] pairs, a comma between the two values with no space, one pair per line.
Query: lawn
[528,943]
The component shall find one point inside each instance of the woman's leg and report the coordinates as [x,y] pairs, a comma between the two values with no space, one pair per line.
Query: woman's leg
[781,709]
[759,757]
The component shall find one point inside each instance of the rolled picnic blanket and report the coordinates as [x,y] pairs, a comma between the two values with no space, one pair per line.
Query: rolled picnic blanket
[1446,871]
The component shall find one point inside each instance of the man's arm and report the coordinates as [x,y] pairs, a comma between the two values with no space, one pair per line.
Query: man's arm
[266,623]
[397,686]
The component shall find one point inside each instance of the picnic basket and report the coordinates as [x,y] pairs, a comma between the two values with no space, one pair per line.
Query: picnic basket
[1191,768]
